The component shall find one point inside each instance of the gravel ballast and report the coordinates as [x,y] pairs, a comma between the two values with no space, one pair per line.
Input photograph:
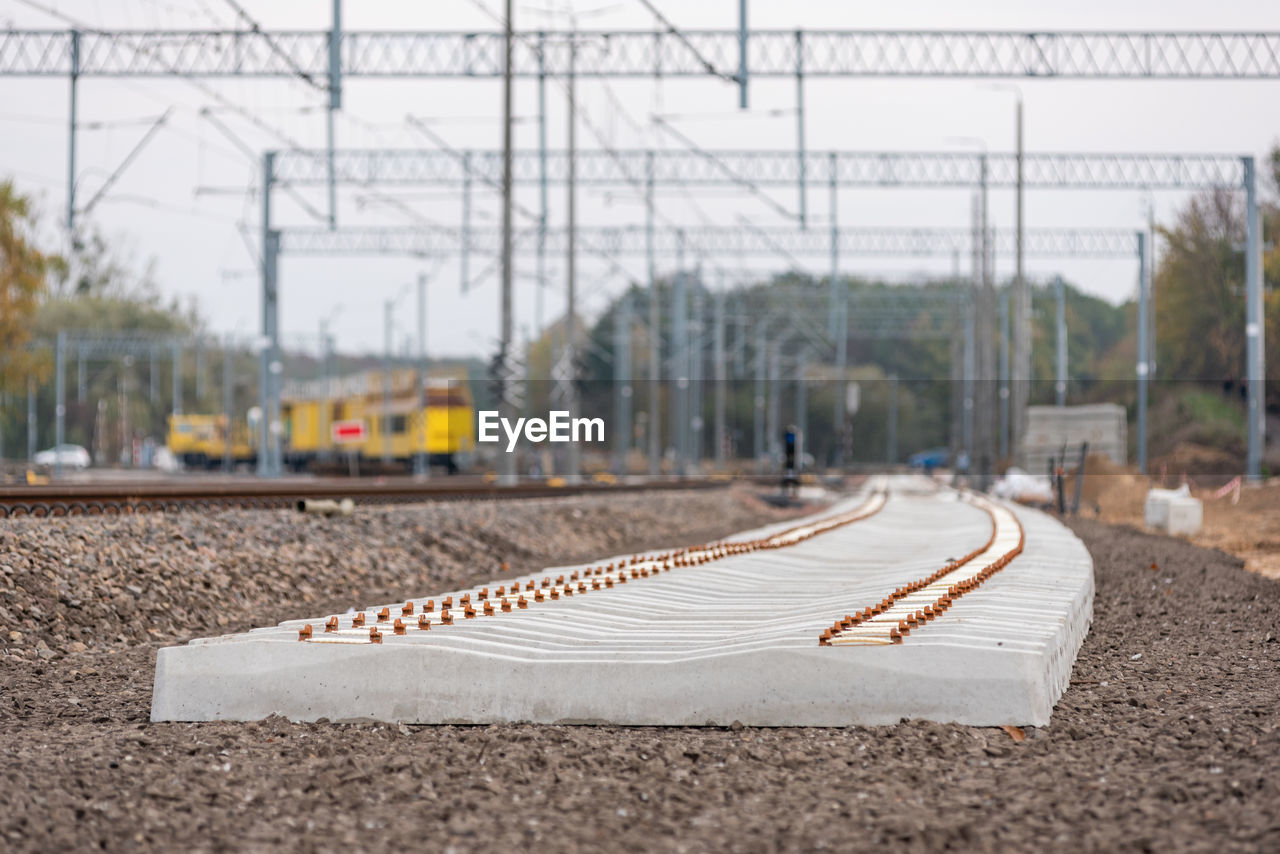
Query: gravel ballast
[1166,739]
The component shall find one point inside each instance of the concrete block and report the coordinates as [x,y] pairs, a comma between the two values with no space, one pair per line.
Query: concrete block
[735,639]
[1185,516]
[1155,508]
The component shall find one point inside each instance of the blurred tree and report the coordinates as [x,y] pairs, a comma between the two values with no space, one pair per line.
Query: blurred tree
[24,272]
[1200,283]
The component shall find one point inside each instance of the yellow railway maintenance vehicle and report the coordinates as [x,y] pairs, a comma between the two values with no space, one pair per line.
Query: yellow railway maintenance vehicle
[200,441]
[375,429]
[379,427]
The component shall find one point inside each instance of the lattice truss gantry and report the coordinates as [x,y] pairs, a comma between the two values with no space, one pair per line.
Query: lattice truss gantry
[640,53]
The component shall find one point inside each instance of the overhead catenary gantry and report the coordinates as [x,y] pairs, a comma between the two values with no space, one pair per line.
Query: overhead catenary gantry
[231,53]
[834,169]
[708,241]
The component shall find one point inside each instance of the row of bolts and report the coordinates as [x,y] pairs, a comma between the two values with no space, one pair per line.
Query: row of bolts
[929,612]
[692,556]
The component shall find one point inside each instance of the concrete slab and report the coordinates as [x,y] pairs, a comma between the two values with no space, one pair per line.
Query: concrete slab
[732,637]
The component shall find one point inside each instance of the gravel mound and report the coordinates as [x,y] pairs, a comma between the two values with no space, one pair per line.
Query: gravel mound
[67,585]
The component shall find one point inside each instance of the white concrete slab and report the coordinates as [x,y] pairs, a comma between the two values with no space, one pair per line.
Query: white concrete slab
[735,639]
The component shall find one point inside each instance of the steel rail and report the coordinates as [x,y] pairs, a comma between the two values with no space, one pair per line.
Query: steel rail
[127,499]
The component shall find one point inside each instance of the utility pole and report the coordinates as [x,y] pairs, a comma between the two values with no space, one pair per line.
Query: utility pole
[60,404]
[773,421]
[573,452]
[421,463]
[335,103]
[680,366]
[1142,354]
[71,143]
[82,381]
[655,329]
[984,339]
[507,461]
[540,295]
[1004,373]
[1021,313]
[622,384]
[384,419]
[720,378]
[891,453]
[695,374]
[839,329]
[31,419]
[1060,386]
[177,377]
[758,439]
[1255,327]
[800,147]
[229,433]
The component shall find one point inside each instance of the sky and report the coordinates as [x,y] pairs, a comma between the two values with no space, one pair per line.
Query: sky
[182,205]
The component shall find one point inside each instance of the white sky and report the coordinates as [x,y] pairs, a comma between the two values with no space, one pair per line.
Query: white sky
[157,210]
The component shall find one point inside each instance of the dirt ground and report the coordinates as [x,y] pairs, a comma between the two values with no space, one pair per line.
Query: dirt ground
[1166,740]
[1245,522]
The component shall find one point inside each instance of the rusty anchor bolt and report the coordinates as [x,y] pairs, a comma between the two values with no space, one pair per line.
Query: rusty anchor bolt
[424,623]
[304,633]
[331,625]
[375,636]
[407,609]
[446,617]
[506,605]
[384,615]
[398,626]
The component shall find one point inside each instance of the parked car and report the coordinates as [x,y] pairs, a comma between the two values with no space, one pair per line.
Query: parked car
[71,456]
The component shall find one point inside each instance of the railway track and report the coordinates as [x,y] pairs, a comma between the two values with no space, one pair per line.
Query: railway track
[981,609]
[175,496]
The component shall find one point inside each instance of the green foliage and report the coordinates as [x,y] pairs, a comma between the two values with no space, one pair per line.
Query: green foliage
[24,270]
